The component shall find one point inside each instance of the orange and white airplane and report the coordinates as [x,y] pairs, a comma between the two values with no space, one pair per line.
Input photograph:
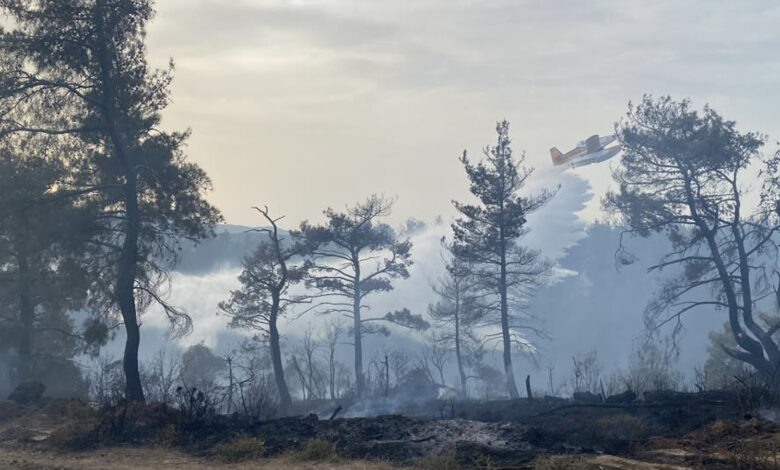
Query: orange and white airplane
[593,150]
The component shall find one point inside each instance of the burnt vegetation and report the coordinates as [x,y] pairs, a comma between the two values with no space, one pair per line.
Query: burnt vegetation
[97,205]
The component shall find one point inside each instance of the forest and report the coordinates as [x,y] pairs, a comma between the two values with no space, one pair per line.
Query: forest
[102,213]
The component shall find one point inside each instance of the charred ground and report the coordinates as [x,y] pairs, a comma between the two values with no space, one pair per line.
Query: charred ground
[660,430]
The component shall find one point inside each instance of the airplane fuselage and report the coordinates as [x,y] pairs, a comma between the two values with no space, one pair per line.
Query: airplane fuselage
[599,156]
[592,150]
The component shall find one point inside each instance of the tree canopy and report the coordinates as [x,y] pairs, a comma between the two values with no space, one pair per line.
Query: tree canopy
[686,174]
[77,69]
[357,256]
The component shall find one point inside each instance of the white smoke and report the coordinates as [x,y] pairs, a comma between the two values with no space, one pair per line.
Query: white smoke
[554,227]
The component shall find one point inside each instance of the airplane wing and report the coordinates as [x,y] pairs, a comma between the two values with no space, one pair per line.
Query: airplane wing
[593,143]
[607,139]
[596,157]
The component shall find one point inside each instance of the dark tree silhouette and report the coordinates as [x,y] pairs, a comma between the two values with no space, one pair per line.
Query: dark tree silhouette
[77,69]
[683,173]
[269,272]
[40,256]
[358,256]
[487,236]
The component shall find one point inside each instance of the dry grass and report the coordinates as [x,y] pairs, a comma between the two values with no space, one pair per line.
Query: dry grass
[599,462]
[77,430]
[156,458]
[448,461]
[240,449]
[317,450]
[563,462]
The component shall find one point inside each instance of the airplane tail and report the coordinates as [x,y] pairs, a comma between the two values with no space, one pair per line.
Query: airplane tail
[557,156]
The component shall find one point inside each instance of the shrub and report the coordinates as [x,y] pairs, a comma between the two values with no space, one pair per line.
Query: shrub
[62,408]
[168,436]
[105,382]
[623,426]
[197,407]
[562,462]
[10,410]
[240,449]
[79,430]
[317,450]
[446,461]
[754,391]
[752,455]
[484,462]
[257,398]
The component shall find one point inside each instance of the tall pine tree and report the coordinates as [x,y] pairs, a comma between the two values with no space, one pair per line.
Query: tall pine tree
[78,69]
[488,235]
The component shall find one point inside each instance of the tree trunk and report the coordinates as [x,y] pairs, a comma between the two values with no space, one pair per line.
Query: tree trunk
[387,376]
[332,370]
[754,354]
[27,318]
[312,385]
[276,357]
[125,292]
[302,378]
[359,380]
[458,357]
[511,385]
[230,385]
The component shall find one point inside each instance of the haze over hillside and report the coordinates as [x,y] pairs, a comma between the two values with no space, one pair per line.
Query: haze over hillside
[596,303]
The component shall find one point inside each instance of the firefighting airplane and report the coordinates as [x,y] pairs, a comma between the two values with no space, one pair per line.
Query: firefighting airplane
[592,150]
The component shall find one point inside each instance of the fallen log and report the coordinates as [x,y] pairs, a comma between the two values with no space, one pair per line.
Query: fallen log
[335,412]
[402,441]
[633,405]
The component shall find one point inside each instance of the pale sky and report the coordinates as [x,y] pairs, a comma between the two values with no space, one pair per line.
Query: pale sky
[304,104]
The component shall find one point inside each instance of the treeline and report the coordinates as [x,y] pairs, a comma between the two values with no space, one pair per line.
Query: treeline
[96,200]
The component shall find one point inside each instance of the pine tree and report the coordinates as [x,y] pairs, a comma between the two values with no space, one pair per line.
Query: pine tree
[358,256]
[684,174]
[488,233]
[41,259]
[460,307]
[269,272]
[77,69]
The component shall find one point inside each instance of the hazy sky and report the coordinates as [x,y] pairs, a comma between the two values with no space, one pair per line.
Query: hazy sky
[304,104]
